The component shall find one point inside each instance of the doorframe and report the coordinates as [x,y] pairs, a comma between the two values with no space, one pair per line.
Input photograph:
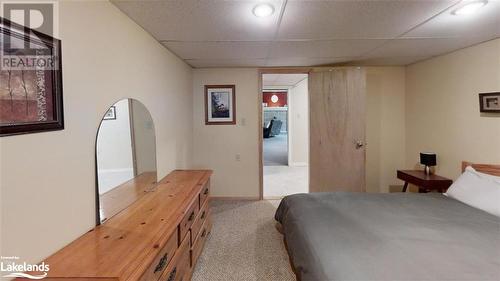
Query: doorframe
[261,72]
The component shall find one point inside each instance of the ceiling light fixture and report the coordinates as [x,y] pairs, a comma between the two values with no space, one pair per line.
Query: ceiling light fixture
[263,10]
[469,7]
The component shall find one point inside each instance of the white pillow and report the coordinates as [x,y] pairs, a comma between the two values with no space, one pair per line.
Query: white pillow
[478,190]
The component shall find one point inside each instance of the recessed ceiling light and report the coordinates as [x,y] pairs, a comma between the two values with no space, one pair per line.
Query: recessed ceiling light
[263,10]
[469,7]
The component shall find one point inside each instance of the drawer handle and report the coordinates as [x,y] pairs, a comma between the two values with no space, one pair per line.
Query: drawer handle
[204,233]
[191,217]
[203,215]
[171,277]
[205,192]
[162,263]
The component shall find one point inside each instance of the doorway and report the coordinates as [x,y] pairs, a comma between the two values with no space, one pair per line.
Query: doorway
[284,111]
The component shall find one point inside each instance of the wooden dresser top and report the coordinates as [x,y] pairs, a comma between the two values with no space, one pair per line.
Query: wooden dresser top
[125,245]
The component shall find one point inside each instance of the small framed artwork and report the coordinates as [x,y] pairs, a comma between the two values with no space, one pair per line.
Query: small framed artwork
[220,105]
[110,114]
[489,102]
[30,81]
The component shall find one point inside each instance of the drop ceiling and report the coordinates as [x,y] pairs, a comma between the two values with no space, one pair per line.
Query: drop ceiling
[282,80]
[225,33]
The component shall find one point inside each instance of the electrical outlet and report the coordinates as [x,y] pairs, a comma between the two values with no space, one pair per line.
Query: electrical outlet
[238,157]
[243,121]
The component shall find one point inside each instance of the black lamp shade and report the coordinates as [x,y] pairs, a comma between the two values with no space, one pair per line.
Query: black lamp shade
[428,159]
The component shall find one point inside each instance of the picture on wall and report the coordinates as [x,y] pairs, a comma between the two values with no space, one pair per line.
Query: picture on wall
[110,114]
[30,81]
[220,105]
[489,102]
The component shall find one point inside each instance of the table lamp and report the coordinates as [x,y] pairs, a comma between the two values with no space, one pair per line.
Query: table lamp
[428,159]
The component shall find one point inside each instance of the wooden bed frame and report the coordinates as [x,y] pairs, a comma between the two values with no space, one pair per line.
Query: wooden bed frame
[483,168]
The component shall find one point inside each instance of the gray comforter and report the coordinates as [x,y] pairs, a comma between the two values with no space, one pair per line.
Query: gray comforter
[396,236]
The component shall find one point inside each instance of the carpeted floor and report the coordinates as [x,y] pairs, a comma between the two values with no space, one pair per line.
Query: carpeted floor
[280,181]
[275,150]
[244,244]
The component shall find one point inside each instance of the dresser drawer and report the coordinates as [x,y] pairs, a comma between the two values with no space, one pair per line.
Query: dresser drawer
[198,244]
[188,219]
[204,193]
[198,222]
[180,264]
[162,259]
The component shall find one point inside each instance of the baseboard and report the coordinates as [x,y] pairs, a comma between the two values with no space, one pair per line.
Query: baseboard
[298,164]
[242,198]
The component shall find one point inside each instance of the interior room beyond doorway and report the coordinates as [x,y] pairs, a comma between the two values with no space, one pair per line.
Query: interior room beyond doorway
[285,142]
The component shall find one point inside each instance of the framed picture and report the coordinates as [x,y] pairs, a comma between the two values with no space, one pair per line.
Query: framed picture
[30,81]
[489,102]
[110,114]
[220,105]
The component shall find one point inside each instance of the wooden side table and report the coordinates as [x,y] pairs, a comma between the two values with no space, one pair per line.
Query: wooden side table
[424,182]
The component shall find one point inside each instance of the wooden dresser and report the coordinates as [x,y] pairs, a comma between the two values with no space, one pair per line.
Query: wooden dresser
[158,237]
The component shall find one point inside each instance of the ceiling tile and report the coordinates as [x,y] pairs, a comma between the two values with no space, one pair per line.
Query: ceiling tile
[192,20]
[355,19]
[419,47]
[305,61]
[485,23]
[200,63]
[399,61]
[282,79]
[219,50]
[329,48]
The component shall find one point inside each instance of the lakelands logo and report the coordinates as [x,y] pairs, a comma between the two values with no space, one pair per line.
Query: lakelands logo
[12,267]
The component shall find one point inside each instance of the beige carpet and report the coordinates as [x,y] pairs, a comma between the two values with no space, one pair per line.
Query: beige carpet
[280,181]
[244,244]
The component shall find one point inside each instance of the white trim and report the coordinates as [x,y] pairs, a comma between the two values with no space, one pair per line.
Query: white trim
[299,164]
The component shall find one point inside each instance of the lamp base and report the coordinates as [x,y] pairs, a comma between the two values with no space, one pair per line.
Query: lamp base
[427,170]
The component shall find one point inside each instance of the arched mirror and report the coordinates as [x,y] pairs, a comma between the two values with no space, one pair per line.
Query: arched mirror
[125,157]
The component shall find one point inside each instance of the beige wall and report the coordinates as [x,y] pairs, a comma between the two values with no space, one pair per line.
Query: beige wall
[298,117]
[443,109]
[385,131]
[216,146]
[47,179]
[385,126]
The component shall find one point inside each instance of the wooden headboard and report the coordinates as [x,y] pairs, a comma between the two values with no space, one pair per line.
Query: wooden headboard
[483,168]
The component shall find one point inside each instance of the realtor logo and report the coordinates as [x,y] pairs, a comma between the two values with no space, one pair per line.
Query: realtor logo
[27,33]
[36,16]
[10,267]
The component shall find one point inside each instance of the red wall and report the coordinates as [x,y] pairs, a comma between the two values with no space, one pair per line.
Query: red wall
[282,99]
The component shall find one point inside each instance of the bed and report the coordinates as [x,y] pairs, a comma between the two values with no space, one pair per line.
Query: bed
[395,236]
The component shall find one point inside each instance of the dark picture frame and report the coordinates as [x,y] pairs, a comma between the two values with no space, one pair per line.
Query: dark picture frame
[110,114]
[220,104]
[489,102]
[52,77]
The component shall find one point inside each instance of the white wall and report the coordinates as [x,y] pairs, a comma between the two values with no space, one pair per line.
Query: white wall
[385,127]
[47,179]
[442,108]
[298,115]
[216,146]
[144,138]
